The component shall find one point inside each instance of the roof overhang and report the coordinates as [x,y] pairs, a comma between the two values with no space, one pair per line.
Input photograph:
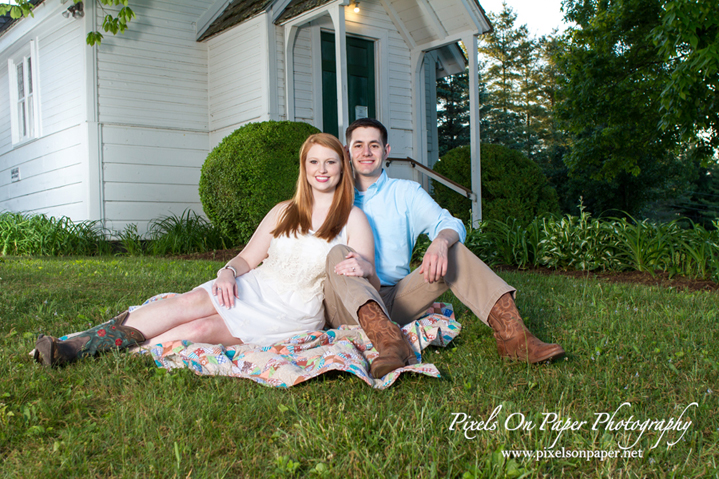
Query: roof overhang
[420,24]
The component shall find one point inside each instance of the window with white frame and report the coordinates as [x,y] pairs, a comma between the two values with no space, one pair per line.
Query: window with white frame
[24,104]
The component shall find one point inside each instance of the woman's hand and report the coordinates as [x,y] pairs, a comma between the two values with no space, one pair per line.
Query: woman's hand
[225,288]
[355,265]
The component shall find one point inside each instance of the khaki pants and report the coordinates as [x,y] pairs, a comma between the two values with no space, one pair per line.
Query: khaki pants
[474,284]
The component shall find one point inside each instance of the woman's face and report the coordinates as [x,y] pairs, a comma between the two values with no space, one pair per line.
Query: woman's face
[324,168]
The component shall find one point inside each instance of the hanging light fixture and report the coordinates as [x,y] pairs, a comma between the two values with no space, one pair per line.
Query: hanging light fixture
[356,9]
[77,10]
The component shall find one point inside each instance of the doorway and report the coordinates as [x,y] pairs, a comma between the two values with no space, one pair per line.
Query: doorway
[360,81]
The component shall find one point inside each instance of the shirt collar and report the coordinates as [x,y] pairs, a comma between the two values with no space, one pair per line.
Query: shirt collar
[374,187]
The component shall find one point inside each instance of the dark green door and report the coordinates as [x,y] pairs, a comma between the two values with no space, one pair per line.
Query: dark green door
[360,81]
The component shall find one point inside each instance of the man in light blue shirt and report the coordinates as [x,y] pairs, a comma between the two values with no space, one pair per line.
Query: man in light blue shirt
[398,212]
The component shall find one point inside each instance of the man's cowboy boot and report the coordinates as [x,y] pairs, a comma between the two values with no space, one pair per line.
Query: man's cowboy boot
[387,338]
[514,340]
[110,335]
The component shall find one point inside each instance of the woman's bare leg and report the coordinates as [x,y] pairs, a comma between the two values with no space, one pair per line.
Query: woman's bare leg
[211,329]
[156,318]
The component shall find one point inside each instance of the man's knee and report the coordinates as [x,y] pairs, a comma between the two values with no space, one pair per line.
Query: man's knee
[459,255]
[336,255]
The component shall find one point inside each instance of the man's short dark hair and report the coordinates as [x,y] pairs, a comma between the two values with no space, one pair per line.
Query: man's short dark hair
[366,123]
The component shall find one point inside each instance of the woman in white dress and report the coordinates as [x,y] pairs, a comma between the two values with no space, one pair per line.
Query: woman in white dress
[273,288]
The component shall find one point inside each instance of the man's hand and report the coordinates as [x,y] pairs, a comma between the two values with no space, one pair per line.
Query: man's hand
[434,263]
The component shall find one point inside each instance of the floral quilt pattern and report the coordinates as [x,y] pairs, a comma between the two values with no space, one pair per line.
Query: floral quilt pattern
[308,355]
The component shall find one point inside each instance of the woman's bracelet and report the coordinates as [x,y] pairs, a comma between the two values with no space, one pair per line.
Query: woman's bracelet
[227,266]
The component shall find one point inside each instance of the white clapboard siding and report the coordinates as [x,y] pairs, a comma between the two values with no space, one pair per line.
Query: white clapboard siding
[5,127]
[60,82]
[74,211]
[149,173]
[60,199]
[51,173]
[155,74]
[61,74]
[304,98]
[51,167]
[235,78]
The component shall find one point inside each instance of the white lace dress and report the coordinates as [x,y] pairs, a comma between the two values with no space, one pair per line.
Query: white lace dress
[283,296]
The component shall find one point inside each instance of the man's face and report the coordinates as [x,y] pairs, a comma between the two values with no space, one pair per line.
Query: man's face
[367,152]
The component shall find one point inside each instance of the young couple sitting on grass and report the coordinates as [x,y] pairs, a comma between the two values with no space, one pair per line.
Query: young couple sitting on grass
[337,253]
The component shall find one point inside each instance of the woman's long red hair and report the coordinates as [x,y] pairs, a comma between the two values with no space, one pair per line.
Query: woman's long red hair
[297,217]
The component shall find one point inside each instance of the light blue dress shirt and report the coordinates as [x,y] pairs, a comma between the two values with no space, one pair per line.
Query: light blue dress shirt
[398,212]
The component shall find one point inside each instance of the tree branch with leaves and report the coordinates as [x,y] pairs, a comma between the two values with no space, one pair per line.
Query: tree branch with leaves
[113,21]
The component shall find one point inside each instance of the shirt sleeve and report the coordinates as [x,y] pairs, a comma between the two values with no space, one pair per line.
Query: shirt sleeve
[427,217]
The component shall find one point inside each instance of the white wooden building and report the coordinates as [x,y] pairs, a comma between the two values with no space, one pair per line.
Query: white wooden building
[119,132]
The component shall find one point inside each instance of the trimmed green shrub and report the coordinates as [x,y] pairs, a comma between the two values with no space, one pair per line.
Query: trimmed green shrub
[513,186]
[249,172]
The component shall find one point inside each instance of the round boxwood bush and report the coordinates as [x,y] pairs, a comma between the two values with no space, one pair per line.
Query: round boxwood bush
[512,185]
[249,172]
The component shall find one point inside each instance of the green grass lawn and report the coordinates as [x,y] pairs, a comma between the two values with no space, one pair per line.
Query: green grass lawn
[120,416]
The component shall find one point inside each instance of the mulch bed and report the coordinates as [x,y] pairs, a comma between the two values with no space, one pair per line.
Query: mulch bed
[217,255]
[680,283]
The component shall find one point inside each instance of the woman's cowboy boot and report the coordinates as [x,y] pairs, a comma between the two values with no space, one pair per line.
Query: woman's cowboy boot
[387,338]
[514,340]
[110,335]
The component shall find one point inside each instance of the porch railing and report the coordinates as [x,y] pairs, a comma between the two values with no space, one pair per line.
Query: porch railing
[462,190]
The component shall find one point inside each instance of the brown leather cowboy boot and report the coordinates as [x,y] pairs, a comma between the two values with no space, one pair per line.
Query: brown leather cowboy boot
[514,340]
[110,335]
[387,338]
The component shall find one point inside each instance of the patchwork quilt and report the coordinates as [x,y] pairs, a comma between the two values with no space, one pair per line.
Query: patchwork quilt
[307,355]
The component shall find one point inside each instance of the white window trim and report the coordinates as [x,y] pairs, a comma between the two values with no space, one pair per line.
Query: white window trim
[13,62]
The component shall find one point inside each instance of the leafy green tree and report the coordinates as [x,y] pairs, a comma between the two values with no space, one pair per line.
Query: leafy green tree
[612,76]
[696,195]
[452,112]
[688,41]
[506,51]
[113,22]
[520,87]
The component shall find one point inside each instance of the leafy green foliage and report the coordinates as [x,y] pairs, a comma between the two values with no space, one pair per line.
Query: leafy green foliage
[114,21]
[453,112]
[587,244]
[22,234]
[41,235]
[249,172]
[519,86]
[614,76]
[21,9]
[131,241]
[688,42]
[512,184]
[187,233]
